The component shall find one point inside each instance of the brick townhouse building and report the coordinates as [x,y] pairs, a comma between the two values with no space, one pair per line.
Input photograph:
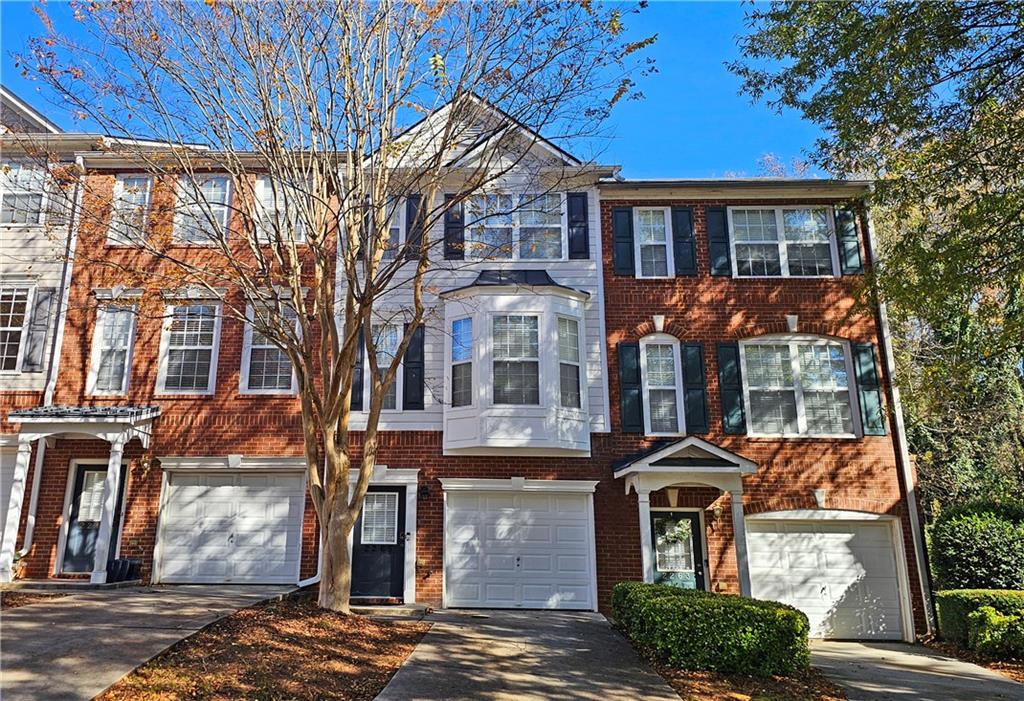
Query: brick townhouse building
[671,382]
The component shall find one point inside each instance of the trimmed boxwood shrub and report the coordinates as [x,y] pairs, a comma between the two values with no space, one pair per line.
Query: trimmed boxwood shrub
[955,606]
[995,634]
[692,629]
[979,546]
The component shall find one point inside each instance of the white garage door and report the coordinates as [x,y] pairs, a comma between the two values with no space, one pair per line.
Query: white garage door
[842,574]
[518,550]
[239,527]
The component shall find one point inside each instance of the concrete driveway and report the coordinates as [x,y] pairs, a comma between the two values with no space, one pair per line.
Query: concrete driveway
[76,646]
[524,655]
[894,671]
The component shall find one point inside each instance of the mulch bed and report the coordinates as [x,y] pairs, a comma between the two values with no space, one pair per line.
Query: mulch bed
[713,686]
[1014,669]
[14,599]
[281,650]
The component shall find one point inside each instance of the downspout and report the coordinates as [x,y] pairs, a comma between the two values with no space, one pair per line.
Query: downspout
[319,568]
[56,343]
[902,446]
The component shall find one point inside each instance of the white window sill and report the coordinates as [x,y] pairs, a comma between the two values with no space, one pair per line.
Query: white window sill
[267,393]
[786,277]
[169,394]
[817,436]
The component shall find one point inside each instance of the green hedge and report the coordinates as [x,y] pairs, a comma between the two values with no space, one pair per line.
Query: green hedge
[718,632]
[979,546]
[955,606]
[995,634]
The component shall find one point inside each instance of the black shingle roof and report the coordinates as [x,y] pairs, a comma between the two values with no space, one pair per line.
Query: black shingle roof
[115,413]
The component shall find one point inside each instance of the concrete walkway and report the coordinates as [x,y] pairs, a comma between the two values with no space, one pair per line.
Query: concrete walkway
[895,671]
[524,655]
[76,646]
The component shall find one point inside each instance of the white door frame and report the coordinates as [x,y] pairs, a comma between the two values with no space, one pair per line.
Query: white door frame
[69,488]
[899,553]
[703,539]
[521,484]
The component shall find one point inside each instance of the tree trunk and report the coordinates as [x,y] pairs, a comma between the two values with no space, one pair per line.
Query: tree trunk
[336,571]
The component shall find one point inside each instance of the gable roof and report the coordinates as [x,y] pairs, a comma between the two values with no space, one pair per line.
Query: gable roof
[16,115]
[690,452]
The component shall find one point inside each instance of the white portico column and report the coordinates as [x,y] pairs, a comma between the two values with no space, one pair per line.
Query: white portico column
[643,498]
[739,531]
[10,539]
[110,490]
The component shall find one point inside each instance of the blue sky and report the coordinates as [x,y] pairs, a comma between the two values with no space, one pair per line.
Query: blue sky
[692,122]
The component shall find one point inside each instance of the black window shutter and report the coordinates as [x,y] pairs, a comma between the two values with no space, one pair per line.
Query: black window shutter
[695,388]
[414,217]
[579,225]
[684,246]
[34,359]
[718,241]
[730,386]
[357,374]
[631,401]
[454,230]
[850,262]
[622,241]
[412,369]
[869,389]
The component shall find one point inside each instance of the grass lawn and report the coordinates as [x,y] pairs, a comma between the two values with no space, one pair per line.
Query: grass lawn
[280,650]
[713,686]
[14,599]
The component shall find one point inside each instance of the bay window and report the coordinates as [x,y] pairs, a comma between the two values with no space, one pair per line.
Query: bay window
[516,352]
[203,210]
[782,242]
[515,227]
[462,362]
[798,387]
[111,350]
[188,362]
[569,362]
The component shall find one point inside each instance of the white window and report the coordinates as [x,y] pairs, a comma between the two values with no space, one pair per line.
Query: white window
[661,367]
[396,225]
[462,362]
[516,365]
[189,356]
[111,350]
[22,193]
[510,227]
[798,387]
[782,242]
[14,306]
[380,519]
[653,240]
[387,338]
[278,211]
[131,206]
[203,210]
[266,368]
[569,362]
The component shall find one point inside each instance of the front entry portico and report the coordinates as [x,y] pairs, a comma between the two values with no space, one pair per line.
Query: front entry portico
[691,462]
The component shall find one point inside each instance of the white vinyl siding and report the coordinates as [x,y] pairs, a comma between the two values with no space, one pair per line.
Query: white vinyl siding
[132,195]
[22,193]
[203,210]
[14,307]
[653,240]
[189,358]
[782,242]
[112,350]
[516,366]
[511,227]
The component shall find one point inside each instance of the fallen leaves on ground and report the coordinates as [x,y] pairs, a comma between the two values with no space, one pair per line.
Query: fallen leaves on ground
[713,686]
[1014,669]
[282,650]
[14,599]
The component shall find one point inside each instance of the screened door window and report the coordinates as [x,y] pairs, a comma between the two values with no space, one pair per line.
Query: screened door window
[22,193]
[380,519]
[114,348]
[462,362]
[774,242]
[269,367]
[13,312]
[131,204]
[203,210]
[569,362]
[191,337]
[387,338]
[661,387]
[652,235]
[516,360]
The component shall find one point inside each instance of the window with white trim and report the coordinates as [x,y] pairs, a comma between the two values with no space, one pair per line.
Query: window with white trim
[462,362]
[90,500]
[266,368]
[22,193]
[661,369]
[387,338]
[112,349]
[396,225]
[131,208]
[203,210]
[782,241]
[516,359]
[510,227]
[278,208]
[13,322]
[380,519]
[569,362]
[189,362]
[653,241]
[798,387]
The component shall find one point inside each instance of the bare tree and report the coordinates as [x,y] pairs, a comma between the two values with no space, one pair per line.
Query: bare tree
[324,118]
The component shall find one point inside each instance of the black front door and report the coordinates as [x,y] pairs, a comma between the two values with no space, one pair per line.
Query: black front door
[378,545]
[84,520]
[678,548]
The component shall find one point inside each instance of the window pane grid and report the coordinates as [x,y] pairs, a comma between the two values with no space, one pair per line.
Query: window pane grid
[22,189]
[380,519]
[569,359]
[200,199]
[278,204]
[190,348]
[13,309]
[130,208]
[462,365]
[528,227]
[386,339]
[803,249]
[115,339]
[652,238]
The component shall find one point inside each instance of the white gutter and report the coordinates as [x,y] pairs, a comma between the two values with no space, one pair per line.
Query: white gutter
[55,350]
[900,438]
[319,568]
